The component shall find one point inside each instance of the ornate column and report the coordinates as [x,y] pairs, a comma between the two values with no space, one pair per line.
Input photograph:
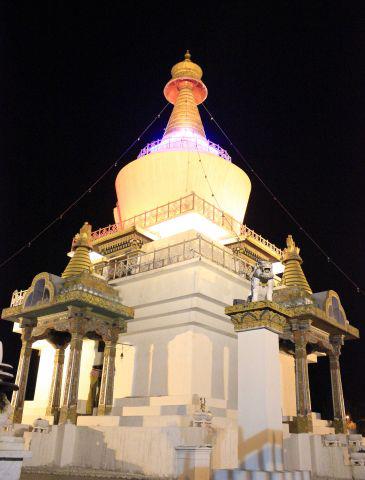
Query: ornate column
[107,377]
[303,421]
[53,407]
[70,396]
[17,401]
[339,414]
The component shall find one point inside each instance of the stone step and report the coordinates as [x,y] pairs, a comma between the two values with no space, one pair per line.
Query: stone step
[168,400]
[75,473]
[148,421]
[237,474]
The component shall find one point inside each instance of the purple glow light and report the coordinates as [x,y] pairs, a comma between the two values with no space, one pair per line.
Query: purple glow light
[184,140]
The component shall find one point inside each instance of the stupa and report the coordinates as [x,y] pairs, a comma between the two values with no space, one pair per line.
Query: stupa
[153,314]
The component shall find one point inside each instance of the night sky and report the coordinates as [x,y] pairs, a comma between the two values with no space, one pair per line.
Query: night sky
[79,81]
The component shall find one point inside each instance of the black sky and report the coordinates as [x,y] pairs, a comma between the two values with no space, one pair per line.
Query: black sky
[80,80]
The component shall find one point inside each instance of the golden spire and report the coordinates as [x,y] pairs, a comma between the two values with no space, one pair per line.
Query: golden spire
[293,274]
[185,91]
[80,262]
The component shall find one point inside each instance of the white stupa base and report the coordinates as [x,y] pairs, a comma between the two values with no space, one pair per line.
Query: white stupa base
[152,451]
[12,454]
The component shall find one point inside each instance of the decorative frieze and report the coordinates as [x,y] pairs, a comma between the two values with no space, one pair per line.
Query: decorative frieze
[262,314]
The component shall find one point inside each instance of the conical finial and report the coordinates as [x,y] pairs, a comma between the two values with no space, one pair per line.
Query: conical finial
[185,91]
[291,248]
[80,262]
[293,275]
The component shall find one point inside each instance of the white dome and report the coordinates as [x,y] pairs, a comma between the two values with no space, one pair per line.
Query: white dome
[159,178]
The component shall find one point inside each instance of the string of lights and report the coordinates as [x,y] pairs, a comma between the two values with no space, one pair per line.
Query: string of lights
[115,163]
[61,215]
[281,205]
[214,196]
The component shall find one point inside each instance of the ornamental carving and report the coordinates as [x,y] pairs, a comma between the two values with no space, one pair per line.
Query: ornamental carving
[254,315]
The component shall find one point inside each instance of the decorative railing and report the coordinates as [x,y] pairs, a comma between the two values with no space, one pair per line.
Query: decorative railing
[184,144]
[171,210]
[105,231]
[186,204]
[247,232]
[180,252]
[17,298]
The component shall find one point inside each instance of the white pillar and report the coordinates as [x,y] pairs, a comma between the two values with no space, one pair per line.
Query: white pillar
[259,401]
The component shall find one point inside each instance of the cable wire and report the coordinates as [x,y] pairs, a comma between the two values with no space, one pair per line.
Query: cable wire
[88,190]
[215,197]
[281,205]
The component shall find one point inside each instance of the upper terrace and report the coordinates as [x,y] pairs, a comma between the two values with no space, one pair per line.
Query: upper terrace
[203,216]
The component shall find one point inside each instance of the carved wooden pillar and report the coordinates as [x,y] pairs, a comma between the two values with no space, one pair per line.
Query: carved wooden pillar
[70,397]
[303,421]
[17,401]
[53,407]
[339,414]
[107,378]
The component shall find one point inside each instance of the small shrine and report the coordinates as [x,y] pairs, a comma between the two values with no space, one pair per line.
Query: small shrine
[64,310]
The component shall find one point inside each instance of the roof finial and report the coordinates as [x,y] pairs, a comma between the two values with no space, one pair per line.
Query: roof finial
[185,91]
[293,273]
[80,261]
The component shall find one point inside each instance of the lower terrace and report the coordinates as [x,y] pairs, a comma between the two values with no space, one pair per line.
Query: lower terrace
[197,247]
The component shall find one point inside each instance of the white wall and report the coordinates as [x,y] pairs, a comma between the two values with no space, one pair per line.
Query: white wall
[184,342]
[287,369]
